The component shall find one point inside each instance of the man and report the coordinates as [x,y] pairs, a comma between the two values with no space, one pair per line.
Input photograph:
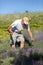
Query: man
[15,31]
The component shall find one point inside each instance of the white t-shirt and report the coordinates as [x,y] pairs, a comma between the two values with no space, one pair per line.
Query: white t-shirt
[17,25]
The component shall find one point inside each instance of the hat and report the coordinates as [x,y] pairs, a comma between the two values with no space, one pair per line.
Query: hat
[25,19]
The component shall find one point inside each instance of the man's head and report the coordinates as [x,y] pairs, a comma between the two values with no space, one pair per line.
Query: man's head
[25,20]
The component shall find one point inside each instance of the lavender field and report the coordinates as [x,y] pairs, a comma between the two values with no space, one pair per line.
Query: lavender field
[30,55]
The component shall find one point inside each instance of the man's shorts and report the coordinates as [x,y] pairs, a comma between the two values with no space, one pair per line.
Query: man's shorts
[16,37]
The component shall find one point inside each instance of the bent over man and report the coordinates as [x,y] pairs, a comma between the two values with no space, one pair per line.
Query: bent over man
[15,31]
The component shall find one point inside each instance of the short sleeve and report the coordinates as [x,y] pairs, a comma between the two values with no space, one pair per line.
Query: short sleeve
[14,24]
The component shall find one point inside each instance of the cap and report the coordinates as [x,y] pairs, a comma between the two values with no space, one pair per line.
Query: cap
[25,20]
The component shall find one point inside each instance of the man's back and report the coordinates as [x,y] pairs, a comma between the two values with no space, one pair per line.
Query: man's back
[17,25]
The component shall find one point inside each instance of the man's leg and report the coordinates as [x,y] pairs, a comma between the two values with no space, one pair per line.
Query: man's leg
[21,38]
[13,46]
[13,40]
[22,44]
[12,43]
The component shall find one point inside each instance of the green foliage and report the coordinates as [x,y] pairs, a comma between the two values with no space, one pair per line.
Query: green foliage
[36,23]
[7,61]
[6,19]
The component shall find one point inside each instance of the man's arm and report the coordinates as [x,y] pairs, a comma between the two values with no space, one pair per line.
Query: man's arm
[10,29]
[30,34]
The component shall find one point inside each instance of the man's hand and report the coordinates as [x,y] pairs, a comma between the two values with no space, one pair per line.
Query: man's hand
[11,33]
[32,39]
[10,30]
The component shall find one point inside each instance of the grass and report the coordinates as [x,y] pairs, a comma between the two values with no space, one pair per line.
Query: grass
[6,19]
[36,24]
[7,61]
[38,44]
[4,46]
